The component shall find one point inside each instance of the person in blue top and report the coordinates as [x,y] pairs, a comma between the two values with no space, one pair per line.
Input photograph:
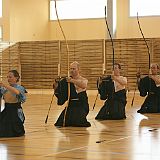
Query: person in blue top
[12,117]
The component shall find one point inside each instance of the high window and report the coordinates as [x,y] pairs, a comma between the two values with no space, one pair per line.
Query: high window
[78,9]
[144,7]
[0,8]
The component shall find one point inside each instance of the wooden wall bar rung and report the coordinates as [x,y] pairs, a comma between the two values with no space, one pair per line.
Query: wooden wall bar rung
[38,61]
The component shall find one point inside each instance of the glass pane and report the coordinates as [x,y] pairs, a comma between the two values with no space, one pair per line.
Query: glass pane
[144,7]
[78,9]
[0,8]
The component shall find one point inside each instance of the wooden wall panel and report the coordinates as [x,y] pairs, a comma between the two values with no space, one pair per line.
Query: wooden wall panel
[9,58]
[156,50]
[88,54]
[132,54]
[37,61]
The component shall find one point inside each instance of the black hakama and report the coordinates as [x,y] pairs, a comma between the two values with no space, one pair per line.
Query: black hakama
[114,107]
[76,113]
[151,104]
[11,120]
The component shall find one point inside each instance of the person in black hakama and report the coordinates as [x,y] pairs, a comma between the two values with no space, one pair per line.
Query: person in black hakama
[12,117]
[114,106]
[78,108]
[149,86]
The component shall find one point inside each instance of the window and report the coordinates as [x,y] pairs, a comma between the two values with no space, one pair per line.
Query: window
[0,33]
[0,8]
[144,7]
[78,9]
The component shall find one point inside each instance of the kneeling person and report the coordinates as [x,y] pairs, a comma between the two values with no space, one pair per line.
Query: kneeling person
[78,108]
[114,106]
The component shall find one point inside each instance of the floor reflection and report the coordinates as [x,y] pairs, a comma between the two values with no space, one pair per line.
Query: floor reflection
[3,152]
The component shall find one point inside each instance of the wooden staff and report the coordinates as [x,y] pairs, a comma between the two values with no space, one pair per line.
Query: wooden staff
[67,47]
[110,38]
[149,60]
[104,57]
[149,55]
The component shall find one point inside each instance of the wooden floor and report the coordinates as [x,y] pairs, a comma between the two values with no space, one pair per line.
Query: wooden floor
[136,138]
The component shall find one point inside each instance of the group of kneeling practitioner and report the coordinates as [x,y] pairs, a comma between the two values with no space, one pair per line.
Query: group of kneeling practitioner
[111,88]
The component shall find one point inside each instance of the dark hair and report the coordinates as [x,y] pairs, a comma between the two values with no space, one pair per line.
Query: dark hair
[117,64]
[16,74]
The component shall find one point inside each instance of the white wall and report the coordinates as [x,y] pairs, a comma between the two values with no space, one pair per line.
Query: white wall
[25,20]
